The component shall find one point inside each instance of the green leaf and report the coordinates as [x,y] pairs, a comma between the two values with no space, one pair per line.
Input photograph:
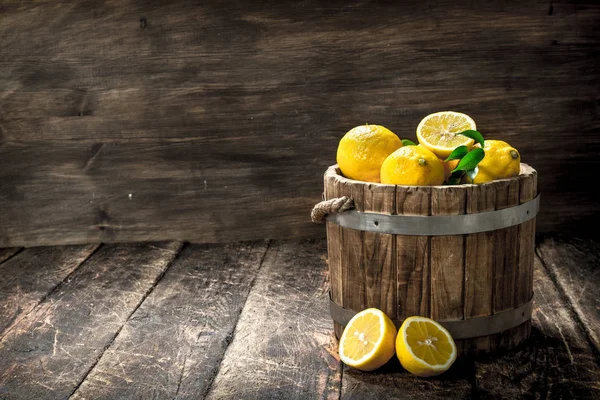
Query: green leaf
[472,173]
[471,160]
[457,153]
[455,177]
[406,142]
[476,136]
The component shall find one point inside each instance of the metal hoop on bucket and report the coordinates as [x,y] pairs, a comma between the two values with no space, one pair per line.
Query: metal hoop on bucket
[438,224]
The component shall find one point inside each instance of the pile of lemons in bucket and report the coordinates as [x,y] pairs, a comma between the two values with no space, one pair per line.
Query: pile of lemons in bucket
[450,151]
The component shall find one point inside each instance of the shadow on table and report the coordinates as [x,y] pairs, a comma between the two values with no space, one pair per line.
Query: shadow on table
[462,368]
[393,382]
[544,366]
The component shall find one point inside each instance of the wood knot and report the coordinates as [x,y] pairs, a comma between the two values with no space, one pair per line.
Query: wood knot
[143,22]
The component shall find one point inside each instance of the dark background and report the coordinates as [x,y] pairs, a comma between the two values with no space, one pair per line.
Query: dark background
[132,120]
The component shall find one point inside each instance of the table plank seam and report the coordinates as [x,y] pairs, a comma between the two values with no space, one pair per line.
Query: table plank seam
[572,309]
[231,335]
[341,385]
[50,292]
[181,375]
[471,375]
[148,291]
[19,250]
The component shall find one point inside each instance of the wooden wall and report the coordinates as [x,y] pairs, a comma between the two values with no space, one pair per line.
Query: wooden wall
[212,121]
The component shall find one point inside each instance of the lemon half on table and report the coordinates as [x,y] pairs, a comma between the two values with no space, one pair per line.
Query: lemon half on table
[424,347]
[368,340]
[439,132]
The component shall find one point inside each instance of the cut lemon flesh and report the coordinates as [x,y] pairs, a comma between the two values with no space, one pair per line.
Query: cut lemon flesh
[368,340]
[424,347]
[439,132]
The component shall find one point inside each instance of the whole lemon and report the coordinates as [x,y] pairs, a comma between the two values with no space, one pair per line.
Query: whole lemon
[362,150]
[414,166]
[501,161]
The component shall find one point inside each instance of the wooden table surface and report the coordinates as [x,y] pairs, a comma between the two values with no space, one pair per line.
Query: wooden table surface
[249,320]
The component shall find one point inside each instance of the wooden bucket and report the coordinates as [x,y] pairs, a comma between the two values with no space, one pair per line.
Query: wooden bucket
[479,284]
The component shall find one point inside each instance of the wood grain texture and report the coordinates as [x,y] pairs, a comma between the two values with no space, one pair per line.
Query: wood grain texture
[48,353]
[379,252]
[574,265]
[215,78]
[164,345]
[283,346]
[557,361]
[447,259]
[172,345]
[148,191]
[506,261]
[413,256]
[479,264]
[526,249]
[31,275]
[354,292]
[8,252]
[333,190]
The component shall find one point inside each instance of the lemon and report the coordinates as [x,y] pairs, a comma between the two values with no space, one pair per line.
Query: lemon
[449,166]
[368,340]
[424,347]
[362,150]
[439,132]
[501,161]
[412,165]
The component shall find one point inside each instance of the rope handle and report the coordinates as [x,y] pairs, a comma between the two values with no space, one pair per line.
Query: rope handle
[331,206]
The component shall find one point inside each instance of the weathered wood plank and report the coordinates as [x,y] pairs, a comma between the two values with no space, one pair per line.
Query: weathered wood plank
[526,232]
[8,252]
[111,79]
[176,187]
[556,362]
[354,293]
[171,63]
[28,277]
[378,252]
[506,260]
[334,250]
[447,259]
[479,261]
[284,346]
[413,256]
[172,345]
[150,191]
[50,351]
[574,265]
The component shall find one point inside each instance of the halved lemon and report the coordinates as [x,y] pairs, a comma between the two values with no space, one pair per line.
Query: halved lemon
[439,132]
[368,340]
[424,347]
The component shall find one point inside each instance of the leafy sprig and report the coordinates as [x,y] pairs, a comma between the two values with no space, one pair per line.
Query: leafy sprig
[475,135]
[469,159]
